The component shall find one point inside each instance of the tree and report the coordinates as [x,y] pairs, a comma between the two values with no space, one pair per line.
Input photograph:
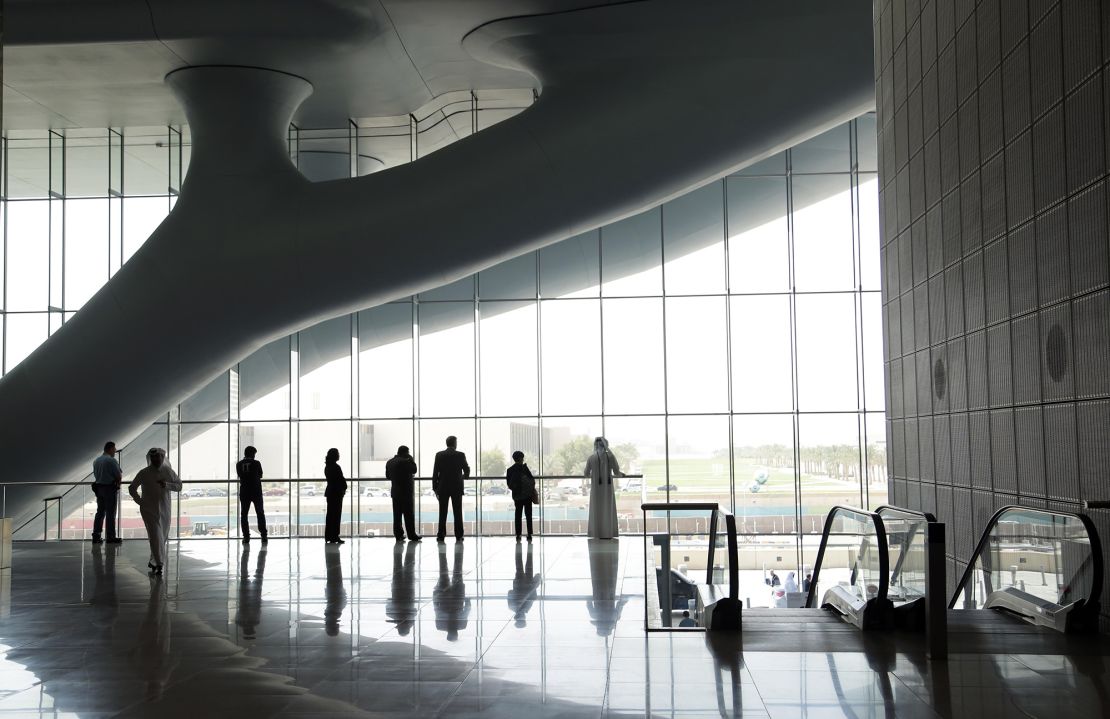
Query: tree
[492,462]
[569,458]
[626,454]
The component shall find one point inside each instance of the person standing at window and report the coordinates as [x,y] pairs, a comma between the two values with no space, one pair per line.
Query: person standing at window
[448,472]
[333,493]
[249,471]
[600,468]
[107,478]
[400,472]
[523,486]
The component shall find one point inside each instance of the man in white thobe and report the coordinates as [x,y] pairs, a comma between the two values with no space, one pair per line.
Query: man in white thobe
[156,481]
[601,466]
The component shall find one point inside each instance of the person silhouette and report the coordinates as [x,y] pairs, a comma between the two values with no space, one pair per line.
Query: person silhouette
[604,604]
[448,473]
[249,471]
[334,492]
[525,583]
[400,472]
[523,486]
[601,466]
[449,600]
[156,481]
[401,605]
[248,612]
[335,592]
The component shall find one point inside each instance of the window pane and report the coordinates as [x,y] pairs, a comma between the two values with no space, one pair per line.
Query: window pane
[631,255]
[325,358]
[870,273]
[571,268]
[640,446]
[87,165]
[823,233]
[459,290]
[25,332]
[314,441]
[141,216]
[28,261]
[873,369]
[761,364]
[773,165]
[693,242]
[28,163]
[633,355]
[875,457]
[271,439]
[867,147]
[508,361]
[567,441]
[826,352]
[208,404]
[829,452]
[146,166]
[385,361]
[86,250]
[697,379]
[513,279]
[378,441]
[758,250]
[828,152]
[264,382]
[446,359]
[204,453]
[571,356]
[763,456]
[698,459]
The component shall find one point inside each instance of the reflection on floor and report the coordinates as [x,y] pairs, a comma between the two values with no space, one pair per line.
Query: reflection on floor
[486,628]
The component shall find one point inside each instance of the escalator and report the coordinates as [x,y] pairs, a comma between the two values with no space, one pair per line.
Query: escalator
[1042,567]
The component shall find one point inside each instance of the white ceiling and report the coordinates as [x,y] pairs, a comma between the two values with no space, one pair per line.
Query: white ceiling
[98,63]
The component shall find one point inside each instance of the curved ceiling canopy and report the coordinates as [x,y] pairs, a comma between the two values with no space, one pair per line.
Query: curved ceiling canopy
[640,102]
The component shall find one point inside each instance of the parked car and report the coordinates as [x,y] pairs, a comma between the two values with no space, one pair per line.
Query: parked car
[667,488]
[274,492]
[373,491]
[193,492]
[216,492]
[308,490]
[496,489]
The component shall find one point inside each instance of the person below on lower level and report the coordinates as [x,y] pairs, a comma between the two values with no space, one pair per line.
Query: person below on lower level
[334,492]
[523,486]
[687,622]
[400,472]
[448,473]
[107,478]
[249,471]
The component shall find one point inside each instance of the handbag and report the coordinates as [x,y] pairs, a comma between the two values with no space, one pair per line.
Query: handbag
[535,497]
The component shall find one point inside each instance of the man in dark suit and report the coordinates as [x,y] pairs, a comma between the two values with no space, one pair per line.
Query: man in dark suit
[400,472]
[447,482]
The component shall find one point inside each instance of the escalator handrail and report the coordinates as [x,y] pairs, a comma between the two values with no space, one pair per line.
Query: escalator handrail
[927,516]
[881,548]
[984,538]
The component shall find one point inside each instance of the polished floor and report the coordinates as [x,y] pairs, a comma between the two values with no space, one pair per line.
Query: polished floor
[484,628]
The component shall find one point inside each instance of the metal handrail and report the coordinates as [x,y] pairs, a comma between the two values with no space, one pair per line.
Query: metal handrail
[880,535]
[927,516]
[286,480]
[984,539]
[890,509]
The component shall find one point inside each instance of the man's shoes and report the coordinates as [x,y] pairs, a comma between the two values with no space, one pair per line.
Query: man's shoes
[458,539]
[246,540]
[399,539]
[440,540]
[529,538]
[265,539]
[415,539]
[338,541]
[97,540]
[518,539]
[117,540]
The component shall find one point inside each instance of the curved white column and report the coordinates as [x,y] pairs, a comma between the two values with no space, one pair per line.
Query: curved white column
[641,102]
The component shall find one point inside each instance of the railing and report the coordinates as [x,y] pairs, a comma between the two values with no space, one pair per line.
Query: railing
[1043,566]
[671,594]
[859,591]
[907,547]
[295,508]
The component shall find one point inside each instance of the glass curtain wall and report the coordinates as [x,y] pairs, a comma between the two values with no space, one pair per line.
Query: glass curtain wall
[727,343]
